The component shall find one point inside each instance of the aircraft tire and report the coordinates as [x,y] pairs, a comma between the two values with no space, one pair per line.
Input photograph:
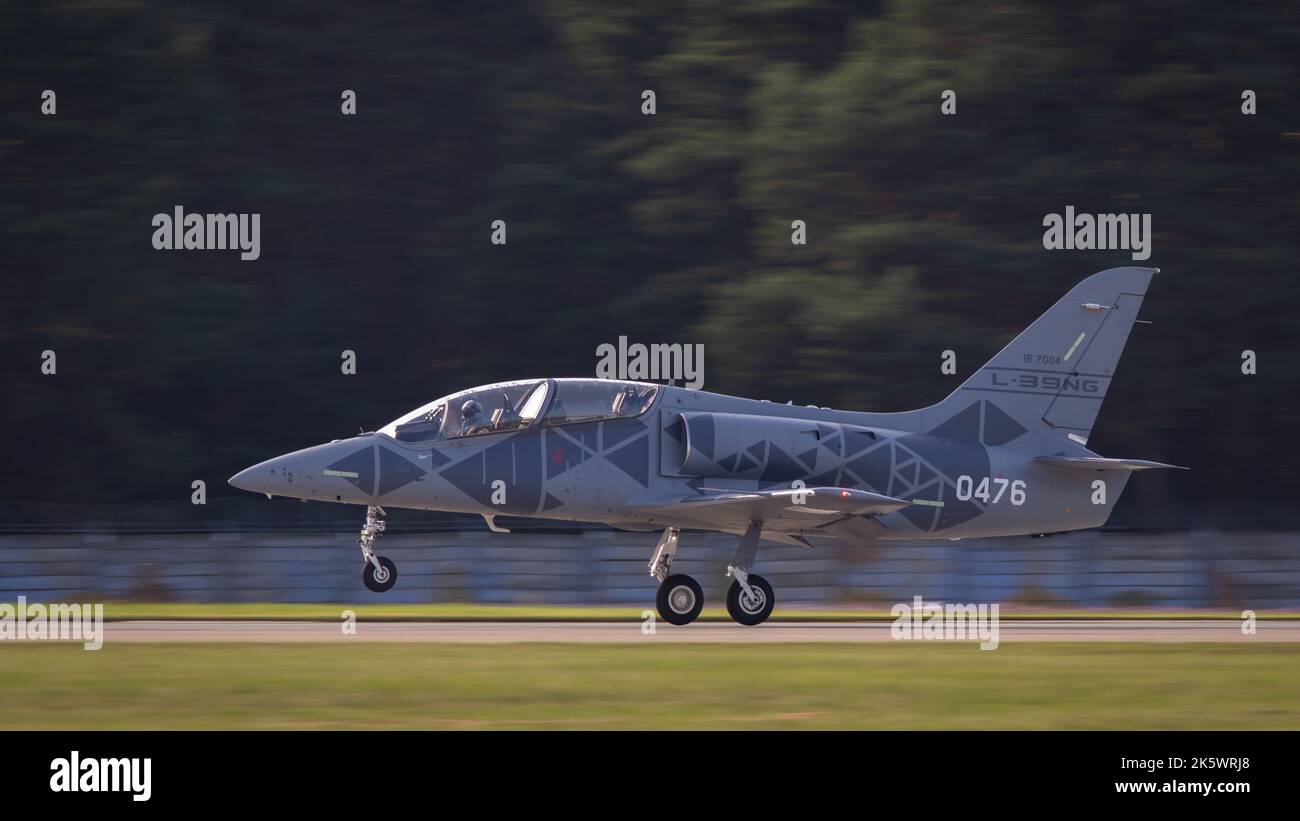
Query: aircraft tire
[387,575]
[751,613]
[679,599]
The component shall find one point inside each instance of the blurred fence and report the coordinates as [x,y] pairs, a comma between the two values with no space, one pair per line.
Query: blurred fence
[1089,569]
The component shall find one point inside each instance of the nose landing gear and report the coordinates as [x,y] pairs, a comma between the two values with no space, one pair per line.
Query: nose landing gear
[379,573]
[380,579]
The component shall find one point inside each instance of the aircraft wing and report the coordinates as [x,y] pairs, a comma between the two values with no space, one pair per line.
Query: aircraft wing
[780,511]
[1101,463]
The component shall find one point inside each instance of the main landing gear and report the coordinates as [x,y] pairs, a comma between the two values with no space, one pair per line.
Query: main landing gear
[379,573]
[680,598]
[749,600]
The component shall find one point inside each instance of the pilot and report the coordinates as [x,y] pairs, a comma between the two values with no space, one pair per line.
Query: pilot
[472,418]
[627,403]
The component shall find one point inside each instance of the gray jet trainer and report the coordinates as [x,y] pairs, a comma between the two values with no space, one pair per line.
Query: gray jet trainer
[1003,455]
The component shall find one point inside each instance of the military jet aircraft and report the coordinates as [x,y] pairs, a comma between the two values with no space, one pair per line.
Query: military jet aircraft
[1004,454]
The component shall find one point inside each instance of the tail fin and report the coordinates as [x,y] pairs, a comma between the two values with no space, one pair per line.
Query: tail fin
[1054,376]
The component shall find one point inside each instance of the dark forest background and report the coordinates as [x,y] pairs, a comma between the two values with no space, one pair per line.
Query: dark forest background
[925,231]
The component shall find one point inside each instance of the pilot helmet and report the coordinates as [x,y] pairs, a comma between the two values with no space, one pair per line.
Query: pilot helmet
[471,409]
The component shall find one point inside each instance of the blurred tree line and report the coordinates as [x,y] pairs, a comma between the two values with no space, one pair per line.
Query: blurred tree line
[924,231]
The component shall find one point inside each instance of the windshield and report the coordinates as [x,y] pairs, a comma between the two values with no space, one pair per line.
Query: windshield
[490,409]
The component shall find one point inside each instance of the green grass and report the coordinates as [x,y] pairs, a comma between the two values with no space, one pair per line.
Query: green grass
[122,611]
[889,686]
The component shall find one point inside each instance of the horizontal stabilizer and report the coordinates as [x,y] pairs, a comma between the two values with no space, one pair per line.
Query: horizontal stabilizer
[1101,463]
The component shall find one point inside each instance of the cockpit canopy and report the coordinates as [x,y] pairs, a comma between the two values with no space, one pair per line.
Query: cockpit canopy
[508,406]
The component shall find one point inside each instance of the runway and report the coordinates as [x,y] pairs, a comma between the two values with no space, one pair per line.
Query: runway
[1180,631]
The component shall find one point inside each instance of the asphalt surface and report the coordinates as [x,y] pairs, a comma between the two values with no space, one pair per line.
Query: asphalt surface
[700,632]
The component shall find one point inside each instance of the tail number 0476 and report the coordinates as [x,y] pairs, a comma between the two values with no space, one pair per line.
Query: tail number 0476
[991,492]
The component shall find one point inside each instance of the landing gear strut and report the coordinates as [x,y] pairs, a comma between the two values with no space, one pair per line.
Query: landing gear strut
[680,598]
[752,606]
[379,573]
[750,598]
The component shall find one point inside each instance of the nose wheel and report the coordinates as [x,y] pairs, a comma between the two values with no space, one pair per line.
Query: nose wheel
[379,573]
[379,579]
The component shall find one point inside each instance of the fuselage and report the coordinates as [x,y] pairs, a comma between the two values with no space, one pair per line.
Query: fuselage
[594,450]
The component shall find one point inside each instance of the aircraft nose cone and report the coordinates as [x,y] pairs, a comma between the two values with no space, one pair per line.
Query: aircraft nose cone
[250,479]
[342,471]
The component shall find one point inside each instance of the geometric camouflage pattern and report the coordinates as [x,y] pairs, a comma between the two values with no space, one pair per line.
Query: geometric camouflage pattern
[535,463]
[1037,398]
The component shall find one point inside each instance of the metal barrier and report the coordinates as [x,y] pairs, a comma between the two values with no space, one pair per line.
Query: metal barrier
[1087,569]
